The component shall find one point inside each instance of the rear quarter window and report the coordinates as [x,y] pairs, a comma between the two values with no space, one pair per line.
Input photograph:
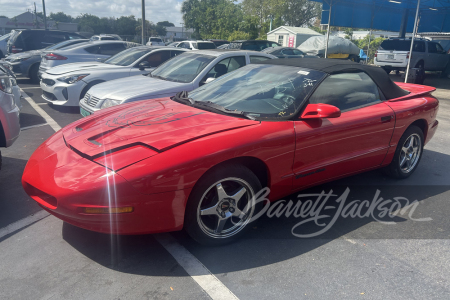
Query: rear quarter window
[206,46]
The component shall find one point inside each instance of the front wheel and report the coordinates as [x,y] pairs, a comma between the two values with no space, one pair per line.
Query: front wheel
[407,155]
[220,206]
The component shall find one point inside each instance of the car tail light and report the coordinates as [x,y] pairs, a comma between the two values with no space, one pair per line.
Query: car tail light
[407,55]
[53,56]
[376,53]
[16,50]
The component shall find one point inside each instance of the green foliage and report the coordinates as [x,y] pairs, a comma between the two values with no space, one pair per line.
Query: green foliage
[126,25]
[374,45]
[165,24]
[59,17]
[348,33]
[239,35]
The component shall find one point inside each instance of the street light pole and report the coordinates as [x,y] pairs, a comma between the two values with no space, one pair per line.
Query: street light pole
[143,22]
[412,41]
[182,31]
[45,18]
[328,29]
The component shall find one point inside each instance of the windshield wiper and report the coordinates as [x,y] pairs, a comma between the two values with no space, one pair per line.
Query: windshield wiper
[223,109]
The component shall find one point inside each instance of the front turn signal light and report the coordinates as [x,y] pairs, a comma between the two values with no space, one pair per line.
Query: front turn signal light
[108,210]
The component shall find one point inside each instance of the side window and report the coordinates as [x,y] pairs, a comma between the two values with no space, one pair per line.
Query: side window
[157,58]
[347,91]
[255,59]
[288,52]
[93,49]
[432,48]
[111,49]
[439,48]
[174,53]
[250,46]
[34,40]
[419,47]
[51,38]
[225,66]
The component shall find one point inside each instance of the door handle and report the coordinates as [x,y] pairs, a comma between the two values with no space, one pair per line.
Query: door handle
[386,119]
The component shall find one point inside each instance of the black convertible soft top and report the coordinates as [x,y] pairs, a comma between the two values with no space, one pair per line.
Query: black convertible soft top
[335,66]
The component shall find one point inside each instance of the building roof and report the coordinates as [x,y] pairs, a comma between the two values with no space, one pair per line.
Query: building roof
[179,29]
[296,30]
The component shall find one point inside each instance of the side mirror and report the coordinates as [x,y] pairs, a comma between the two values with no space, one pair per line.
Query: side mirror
[320,110]
[208,80]
[143,65]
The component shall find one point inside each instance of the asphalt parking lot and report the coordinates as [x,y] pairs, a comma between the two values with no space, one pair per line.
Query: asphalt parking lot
[356,258]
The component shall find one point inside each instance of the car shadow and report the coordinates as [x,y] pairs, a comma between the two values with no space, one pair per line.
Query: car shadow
[271,239]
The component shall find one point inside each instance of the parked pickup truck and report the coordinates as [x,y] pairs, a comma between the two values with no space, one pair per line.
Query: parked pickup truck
[393,54]
[155,41]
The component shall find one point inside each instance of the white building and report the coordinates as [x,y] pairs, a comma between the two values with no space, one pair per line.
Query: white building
[290,36]
[178,33]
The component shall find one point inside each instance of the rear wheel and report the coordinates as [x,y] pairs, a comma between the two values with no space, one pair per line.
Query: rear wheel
[421,77]
[34,73]
[407,155]
[220,207]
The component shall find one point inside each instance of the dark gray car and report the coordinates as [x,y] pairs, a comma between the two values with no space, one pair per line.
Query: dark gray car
[284,52]
[27,63]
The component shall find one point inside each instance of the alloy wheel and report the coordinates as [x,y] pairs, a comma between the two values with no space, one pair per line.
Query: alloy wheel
[410,153]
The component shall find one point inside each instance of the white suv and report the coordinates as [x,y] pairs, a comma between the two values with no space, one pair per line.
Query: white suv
[155,41]
[393,54]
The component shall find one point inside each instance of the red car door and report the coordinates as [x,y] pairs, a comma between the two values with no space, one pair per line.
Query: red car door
[355,141]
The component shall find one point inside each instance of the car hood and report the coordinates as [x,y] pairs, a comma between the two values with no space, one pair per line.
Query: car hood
[81,67]
[143,129]
[137,87]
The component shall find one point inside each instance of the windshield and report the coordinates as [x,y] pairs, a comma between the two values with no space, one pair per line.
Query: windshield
[261,91]
[183,68]
[127,57]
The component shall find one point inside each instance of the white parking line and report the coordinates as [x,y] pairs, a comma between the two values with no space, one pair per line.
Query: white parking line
[40,111]
[23,223]
[207,281]
[33,126]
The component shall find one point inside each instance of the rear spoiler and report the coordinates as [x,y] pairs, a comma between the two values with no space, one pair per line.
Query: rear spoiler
[414,89]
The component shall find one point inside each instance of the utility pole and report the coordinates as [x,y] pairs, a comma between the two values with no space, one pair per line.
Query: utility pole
[45,18]
[182,31]
[271,20]
[35,17]
[143,22]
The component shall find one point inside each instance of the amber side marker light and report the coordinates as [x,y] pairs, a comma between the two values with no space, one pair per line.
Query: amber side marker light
[108,210]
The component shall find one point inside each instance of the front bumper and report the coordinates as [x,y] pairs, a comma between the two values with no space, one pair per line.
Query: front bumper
[64,183]
[61,93]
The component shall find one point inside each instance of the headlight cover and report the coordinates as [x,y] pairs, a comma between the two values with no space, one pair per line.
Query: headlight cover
[72,78]
[19,59]
[110,102]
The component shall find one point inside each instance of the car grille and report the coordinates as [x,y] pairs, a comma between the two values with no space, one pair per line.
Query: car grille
[48,82]
[49,96]
[91,100]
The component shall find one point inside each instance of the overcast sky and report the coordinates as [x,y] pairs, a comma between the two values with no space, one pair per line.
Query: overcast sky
[155,10]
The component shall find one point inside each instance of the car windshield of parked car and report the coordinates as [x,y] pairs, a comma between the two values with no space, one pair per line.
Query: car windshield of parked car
[183,68]
[261,91]
[126,57]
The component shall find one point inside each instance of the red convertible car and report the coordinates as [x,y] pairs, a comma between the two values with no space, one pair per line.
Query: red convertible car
[196,160]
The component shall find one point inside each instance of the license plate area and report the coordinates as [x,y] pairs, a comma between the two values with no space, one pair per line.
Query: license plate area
[390,56]
[84,112]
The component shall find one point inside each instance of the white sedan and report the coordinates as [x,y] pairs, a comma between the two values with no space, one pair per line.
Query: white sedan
[90,51]
[65,85]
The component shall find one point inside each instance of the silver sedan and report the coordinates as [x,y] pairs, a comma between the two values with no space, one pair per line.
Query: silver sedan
[184,72]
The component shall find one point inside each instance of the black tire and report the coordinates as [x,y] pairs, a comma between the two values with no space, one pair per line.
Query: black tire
[205,195]
[87,87]
[34,73]
[387,70]
[420,65]
[395,169]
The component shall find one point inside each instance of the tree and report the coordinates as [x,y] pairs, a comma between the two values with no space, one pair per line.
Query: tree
[165,24]
[126,25]
[239,35]
[61,17]
[300,13]
[374,45]
[262,9]
[348,33]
